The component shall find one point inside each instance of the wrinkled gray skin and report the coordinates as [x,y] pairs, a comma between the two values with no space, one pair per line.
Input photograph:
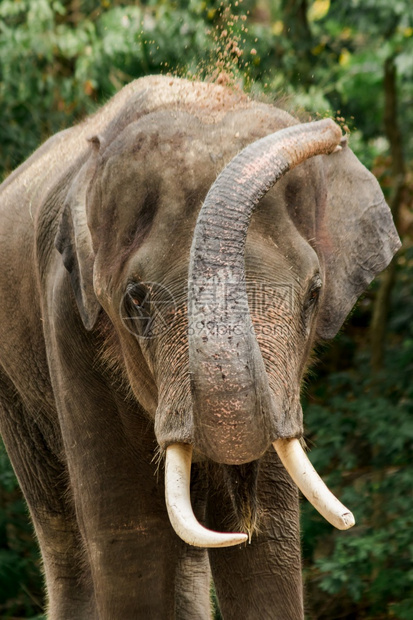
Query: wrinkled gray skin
[86,404]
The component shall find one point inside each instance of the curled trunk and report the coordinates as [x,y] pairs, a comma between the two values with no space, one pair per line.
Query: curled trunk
[233,407]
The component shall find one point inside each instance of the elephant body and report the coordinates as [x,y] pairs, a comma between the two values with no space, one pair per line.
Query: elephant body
[92,394]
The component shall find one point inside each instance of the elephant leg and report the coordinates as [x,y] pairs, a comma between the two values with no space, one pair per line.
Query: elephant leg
[43,478]
[133,570]
[132,551]
[193,577]
[193,585]
[137,561]
[147,573]
[261,579]
[139,566]
[68,581]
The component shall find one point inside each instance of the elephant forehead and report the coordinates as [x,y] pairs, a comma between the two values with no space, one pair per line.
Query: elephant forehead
[180,132]
[147,171]
[170,147]
[149,187]
[153,177]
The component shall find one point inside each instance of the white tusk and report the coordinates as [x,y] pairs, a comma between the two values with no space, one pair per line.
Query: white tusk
[178,502]
[310,484]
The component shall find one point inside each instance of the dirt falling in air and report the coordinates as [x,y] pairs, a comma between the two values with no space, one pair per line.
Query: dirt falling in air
[230,55]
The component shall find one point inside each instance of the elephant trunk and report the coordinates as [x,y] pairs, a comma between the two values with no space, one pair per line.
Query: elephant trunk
[232,405]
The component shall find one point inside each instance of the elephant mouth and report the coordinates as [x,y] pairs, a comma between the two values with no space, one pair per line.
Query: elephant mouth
[178,500]
[234,409]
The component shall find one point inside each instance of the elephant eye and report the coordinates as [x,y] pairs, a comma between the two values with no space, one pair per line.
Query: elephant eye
[136,310]
[137,298]
[148,309]
[313,293]
[136,301]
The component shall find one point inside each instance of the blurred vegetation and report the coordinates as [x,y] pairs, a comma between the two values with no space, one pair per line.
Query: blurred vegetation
[352,60]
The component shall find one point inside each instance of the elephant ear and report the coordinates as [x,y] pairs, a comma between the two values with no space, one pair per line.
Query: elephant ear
[74,242]
[356,236]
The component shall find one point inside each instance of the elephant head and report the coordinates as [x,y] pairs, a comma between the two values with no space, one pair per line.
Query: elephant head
[221,237]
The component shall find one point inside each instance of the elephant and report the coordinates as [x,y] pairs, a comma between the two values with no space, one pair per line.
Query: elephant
[167,265]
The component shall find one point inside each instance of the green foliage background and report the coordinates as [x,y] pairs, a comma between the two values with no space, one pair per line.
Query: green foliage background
[59,59]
